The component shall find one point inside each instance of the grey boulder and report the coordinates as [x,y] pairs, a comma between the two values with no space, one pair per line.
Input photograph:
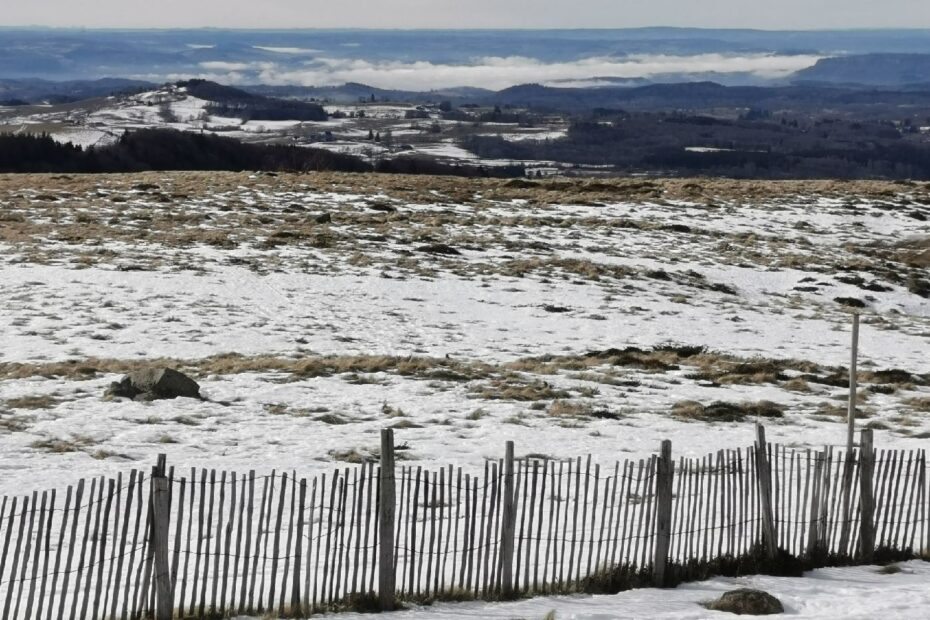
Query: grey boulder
[747,601]
[154,383]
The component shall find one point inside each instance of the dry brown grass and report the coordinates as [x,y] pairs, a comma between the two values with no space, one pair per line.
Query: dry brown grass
[58,445]
[44,401]
[568,408]
[14,423]
[518,391]
[440,369]
[726,412]
[919,403]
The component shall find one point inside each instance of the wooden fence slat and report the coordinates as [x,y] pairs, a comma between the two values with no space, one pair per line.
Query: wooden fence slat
[450,520]
[19,540]
[883,500]
[287,545]
[259,527]
[208,537]
[317,584]
[198,554]
[641,482]
[623,524]
[429,549]
[537,586]
[6,549]
[98,590]
[265,555]
[127,599]
[47,548]
[244,592]
[663,522]
[900,508]
[358,494]
[217,547]
[237,554]
[555,502]
[328,577]
[26,553]
[120,547]
[564,499]
[298,546]
[62,531]
[225,602]
[192,482]
[310,573]
[649,522]
[341,528]
[114,546]
[276,546]
[424,503]
[80,567]
[482,548]
[30,598]
[440,507]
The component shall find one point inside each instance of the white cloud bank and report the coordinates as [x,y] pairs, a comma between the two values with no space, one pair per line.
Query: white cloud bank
[500,72]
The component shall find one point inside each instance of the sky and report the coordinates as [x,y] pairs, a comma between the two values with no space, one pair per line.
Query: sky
[767,14]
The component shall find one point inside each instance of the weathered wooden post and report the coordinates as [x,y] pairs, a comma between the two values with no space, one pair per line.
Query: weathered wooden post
[161,516]
[508,525]
[866,496]
[851,410]
[764,482]
[386,507]
[663,494]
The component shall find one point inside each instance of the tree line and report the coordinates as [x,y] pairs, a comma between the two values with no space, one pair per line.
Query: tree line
[168,149]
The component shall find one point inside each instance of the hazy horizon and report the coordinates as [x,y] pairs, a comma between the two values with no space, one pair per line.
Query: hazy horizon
[477,14]
[424,59]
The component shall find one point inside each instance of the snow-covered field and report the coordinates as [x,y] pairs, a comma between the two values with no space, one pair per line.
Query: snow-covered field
[463,313]
[573,317]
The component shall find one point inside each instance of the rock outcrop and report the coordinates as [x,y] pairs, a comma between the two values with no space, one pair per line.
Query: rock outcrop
[153,384]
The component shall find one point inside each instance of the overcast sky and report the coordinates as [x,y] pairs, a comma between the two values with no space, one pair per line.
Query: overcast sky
[766,14]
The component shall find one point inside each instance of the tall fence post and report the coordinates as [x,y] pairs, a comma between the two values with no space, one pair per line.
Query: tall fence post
[764,482]
[508,525]
[161,516]
[851,408]
[386,507]
[663,494]
[867,497]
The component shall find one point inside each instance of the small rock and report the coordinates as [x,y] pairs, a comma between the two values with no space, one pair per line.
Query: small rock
[747,601]
[439,248]
[323,218]
[851,302]
[154,383]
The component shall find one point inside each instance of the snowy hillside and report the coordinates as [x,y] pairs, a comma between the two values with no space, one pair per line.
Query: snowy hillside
[574,317]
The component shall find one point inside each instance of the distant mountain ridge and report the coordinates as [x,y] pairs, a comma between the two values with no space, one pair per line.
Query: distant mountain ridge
[870,70]
[34,90]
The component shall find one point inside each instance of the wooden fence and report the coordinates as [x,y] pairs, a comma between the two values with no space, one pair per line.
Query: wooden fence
[206,543]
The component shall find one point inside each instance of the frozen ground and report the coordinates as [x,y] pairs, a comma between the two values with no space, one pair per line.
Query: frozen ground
[463,313]
[859,593]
